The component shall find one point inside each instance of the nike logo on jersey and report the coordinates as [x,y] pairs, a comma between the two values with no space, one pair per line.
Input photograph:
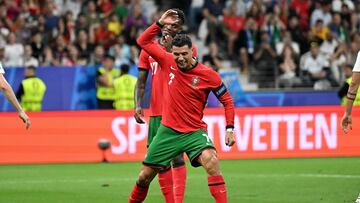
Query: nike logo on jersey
[172,68]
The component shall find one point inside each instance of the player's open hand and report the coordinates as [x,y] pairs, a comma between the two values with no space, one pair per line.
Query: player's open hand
[25,119]
[229,139]
[169,17]
[139,115]
[346,123]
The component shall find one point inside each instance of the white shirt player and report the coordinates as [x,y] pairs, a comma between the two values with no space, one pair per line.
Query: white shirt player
[357,63]
[1,69]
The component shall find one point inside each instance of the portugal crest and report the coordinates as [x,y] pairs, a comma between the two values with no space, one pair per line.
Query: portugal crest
[195,80]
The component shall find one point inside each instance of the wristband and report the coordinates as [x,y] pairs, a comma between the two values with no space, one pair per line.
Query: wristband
[159,24]
[229,130]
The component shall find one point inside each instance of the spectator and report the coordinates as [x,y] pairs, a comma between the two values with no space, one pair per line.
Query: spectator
[195,15]
[48,58]
[233,24]
[247,40]
[84,47]
[322,13]
[72,58]
[92,16]
[337,60]
[328,46]
[213,14]
[31,91]
[14,52]
[319,30]
[337,5]
[297,34]
[105,83]
[121,10]
[336,27]
[287,40]
[37,45]
[265,62]
[59,48]
[316,67]
[124,89]
[114,25]
[288,64]
[119,57]
[212,59]
[301,8]
[29,60]
[97,57]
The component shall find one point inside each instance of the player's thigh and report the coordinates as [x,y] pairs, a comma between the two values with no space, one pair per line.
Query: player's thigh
[154,124]
[195,143]
[163,148]
[209,160]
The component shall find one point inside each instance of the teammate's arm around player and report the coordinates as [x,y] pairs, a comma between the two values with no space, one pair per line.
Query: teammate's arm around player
[346,121]
[9,94]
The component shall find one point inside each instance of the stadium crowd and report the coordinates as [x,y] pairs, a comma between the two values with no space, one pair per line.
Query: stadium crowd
[275,43]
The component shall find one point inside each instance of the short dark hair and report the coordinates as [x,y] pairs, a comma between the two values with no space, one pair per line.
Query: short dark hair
[124,68]
[181,40]
[108,56]
[31,67]
[181,16]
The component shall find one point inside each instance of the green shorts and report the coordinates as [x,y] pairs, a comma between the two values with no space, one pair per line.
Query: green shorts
[154,124]
[168,143]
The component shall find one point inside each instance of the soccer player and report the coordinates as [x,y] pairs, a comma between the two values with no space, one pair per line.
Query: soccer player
[346,121]
[9,94]
[172,180]
[188,84]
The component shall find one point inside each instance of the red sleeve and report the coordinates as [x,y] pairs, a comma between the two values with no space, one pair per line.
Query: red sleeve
[147,43]
[144,60]
[223,95]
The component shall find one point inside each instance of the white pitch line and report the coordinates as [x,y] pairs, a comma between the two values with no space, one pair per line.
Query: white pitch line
[119,180]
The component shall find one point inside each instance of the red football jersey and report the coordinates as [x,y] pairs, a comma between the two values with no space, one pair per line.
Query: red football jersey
[186,91]
[148,63]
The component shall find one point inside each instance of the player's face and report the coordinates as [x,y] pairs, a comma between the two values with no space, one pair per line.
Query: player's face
[182,56]
[171,30]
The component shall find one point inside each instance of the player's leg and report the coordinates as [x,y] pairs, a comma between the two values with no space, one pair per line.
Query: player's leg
[165,176]
[179,177]
[208,159]
[140,189]
[201,152]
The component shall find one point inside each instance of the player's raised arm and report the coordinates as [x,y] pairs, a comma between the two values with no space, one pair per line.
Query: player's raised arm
[146,39]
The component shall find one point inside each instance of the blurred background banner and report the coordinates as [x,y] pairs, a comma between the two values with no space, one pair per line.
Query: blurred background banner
[74,88]
[269,132]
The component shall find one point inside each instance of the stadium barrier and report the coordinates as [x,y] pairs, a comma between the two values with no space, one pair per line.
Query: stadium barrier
[266,132]
[74,88]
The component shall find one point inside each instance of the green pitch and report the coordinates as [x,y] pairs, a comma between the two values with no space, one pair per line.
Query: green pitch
[328,180]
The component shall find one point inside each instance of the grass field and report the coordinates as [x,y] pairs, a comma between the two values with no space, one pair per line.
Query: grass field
[330,180]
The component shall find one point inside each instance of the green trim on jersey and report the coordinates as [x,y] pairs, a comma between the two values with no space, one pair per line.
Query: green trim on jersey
[168,143]
[154,124]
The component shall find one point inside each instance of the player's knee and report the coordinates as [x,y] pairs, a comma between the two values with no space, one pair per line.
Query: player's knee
[146,175]
[178,161]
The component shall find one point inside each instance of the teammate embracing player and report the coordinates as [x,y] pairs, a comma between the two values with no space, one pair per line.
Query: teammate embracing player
[186,87]
[172,179]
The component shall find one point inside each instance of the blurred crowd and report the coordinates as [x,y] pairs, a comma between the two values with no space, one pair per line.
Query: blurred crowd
[274,43]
